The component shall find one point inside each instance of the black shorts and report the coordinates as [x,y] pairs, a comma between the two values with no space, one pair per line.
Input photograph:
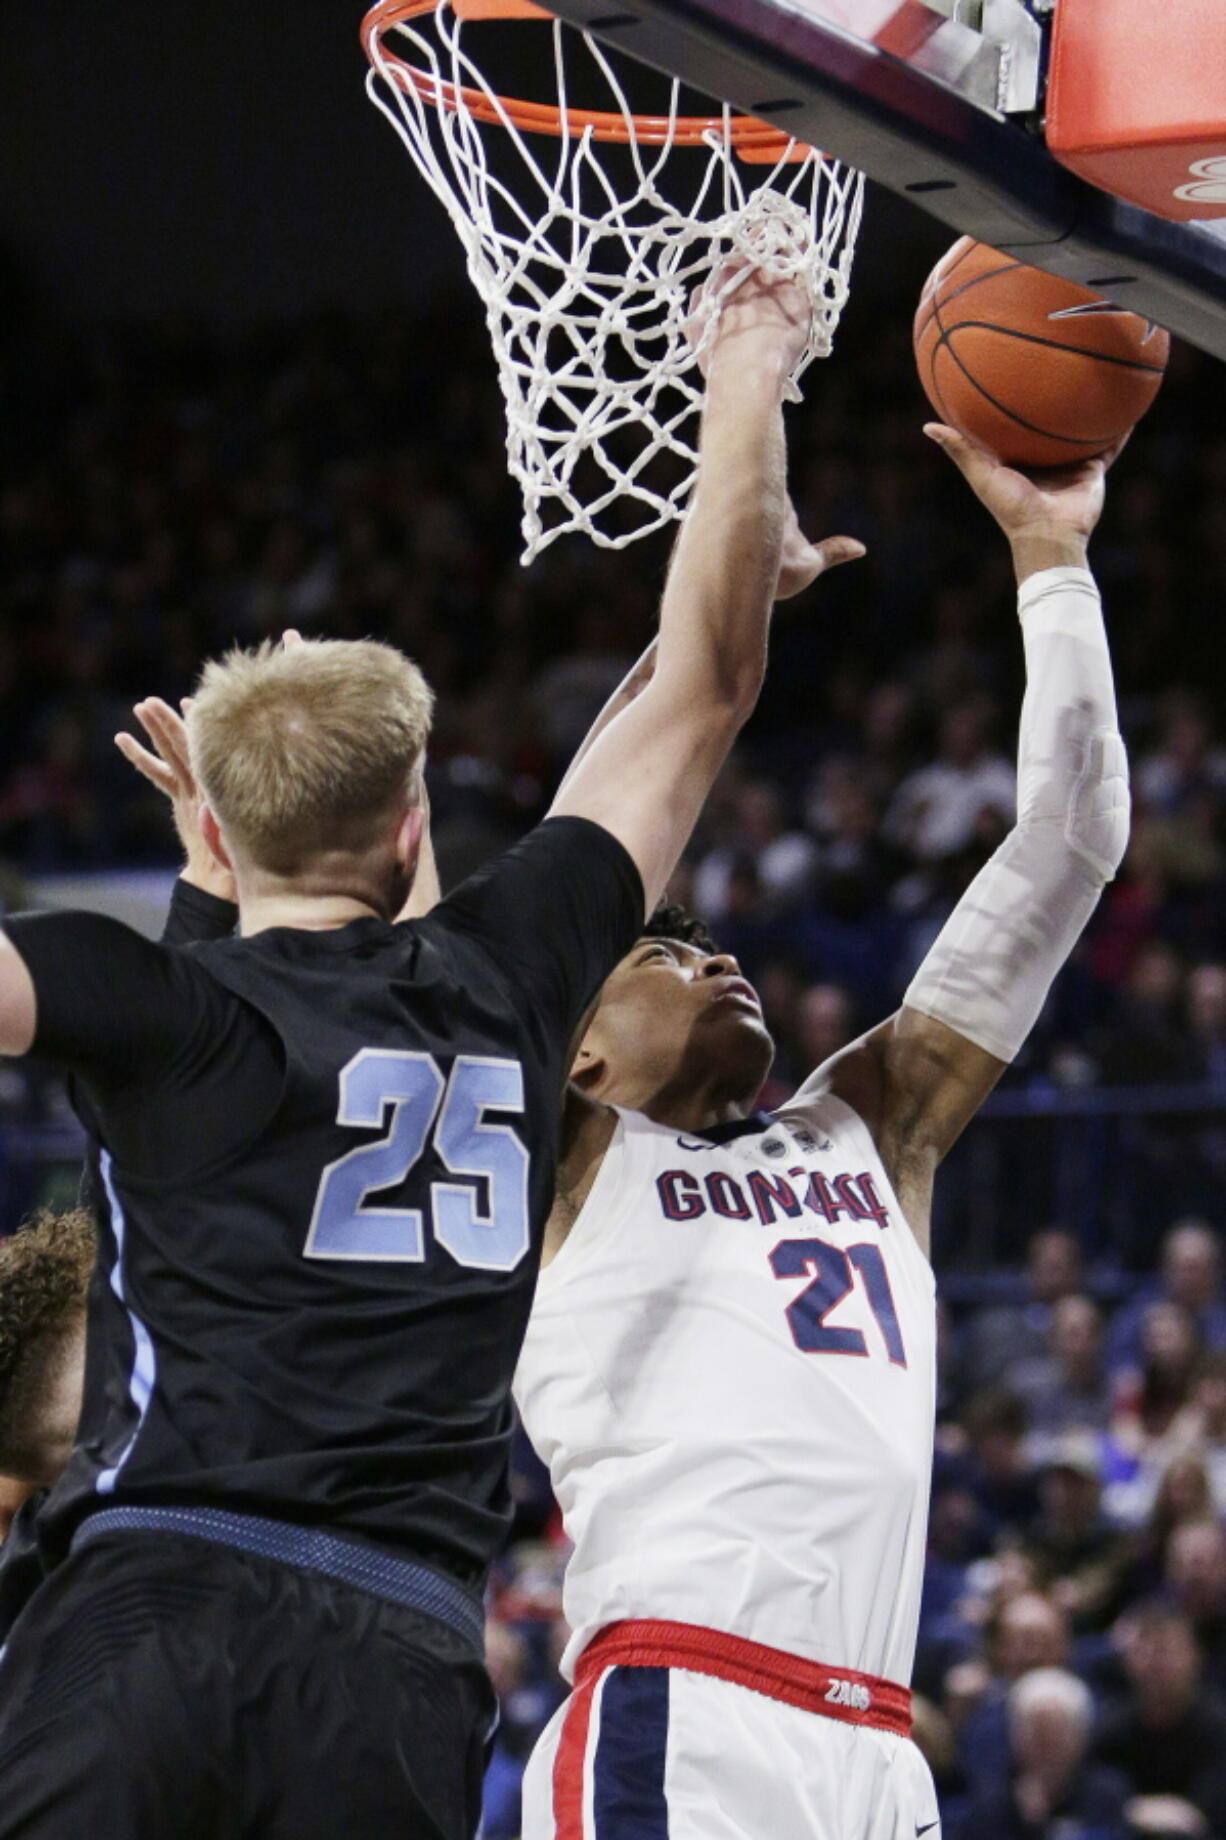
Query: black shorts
[163,1687]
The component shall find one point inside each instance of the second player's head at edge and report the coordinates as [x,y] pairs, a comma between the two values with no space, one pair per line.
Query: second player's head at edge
[309,757]
[675,1031]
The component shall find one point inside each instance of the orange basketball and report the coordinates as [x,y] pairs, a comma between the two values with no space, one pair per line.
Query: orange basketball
[1038,369]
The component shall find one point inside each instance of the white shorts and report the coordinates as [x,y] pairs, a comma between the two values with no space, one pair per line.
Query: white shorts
[657,1753]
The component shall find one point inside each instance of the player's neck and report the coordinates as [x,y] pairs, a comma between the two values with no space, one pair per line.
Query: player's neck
[692,1110]
[310,913]
[327,891]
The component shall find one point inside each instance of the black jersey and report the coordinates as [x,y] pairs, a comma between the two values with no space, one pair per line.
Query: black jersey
[324,1163]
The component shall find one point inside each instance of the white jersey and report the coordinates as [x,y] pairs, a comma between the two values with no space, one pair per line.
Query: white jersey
[730,1371]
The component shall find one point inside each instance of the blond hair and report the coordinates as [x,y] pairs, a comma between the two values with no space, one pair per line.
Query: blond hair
[305,748]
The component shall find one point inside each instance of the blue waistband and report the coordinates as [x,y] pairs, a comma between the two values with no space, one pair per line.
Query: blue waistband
[400,1581]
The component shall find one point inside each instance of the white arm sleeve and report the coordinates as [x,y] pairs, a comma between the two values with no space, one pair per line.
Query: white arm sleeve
[994,961]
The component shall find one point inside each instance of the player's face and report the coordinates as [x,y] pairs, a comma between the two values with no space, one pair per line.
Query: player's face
[673,1017]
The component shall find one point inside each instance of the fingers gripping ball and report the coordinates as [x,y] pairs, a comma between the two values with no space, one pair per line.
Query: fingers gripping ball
[1040,370]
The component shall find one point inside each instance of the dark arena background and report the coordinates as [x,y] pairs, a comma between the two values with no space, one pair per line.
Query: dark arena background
[244,385]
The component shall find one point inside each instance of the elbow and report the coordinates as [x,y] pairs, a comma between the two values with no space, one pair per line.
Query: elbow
[717,688]
[742,701]
[737,687]
[1101,808]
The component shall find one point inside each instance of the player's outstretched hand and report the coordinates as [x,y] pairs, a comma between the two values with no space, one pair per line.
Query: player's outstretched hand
[168,767]
[802,562]
[742,317]
[1047,502]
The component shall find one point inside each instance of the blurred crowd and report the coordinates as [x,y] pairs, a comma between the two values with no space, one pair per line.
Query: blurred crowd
[163,495]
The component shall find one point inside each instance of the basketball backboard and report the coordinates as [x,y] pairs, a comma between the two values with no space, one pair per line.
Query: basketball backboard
[939,101]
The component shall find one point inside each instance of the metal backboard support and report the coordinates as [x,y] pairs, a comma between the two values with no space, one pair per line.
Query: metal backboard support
[916,93]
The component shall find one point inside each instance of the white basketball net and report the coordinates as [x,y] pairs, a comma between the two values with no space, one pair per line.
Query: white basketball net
[587,292]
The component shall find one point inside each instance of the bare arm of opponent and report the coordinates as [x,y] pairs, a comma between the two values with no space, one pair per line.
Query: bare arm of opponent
[646,776]
[920,1076]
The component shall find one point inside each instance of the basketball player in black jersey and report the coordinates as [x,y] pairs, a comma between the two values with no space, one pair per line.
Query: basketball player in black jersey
[324,1152]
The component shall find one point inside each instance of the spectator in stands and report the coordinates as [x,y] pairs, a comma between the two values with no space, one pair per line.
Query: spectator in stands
[1191,1276]
[1187,761]
[856,866]
[1022,1632]
[1080,1558]
[825,1022]
[1166,1735]
[1145,1042]
[936,810]
[998,1469]
[1196,1584]
[886,750]
[1147,1425]
[1206,1422]
[1051,1789]
[1066,1388]
[784,859]
[1182,1495]
[1000,1339]
[1206,1012]
[569,693]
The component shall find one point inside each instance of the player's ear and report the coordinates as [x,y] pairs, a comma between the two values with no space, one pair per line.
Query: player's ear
[588,1066]
[210,830]
[408,839]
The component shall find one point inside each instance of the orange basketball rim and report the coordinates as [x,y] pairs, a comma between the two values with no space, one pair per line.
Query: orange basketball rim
[754,141]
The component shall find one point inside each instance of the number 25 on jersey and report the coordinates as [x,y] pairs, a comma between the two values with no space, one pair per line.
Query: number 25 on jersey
[427,1108]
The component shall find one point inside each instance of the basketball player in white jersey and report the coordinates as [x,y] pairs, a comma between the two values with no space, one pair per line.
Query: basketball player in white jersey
[730,1362]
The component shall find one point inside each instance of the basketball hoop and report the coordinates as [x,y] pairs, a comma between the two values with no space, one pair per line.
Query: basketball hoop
[587,258]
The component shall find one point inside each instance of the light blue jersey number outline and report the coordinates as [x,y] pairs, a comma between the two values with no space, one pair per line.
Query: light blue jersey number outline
[491,1239]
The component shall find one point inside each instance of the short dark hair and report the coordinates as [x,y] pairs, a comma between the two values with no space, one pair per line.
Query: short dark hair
[671,921]
[45,1269]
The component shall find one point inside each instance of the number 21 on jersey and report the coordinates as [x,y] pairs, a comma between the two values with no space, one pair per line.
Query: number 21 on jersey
[449,1113]
[834,1272]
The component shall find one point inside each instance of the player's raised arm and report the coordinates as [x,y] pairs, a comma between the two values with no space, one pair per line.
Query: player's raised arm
[920,1076]
[648,772]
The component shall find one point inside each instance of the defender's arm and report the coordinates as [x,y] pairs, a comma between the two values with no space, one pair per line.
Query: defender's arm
[646,776]
[920,1077]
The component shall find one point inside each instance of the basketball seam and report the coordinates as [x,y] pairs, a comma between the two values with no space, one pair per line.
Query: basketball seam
[937,393]
[940,300]
[971,246]
[1069,440]
[1078,351]
[937,304]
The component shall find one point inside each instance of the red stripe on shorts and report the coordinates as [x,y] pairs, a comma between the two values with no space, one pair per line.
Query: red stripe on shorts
[569,1759]
[835,1693]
